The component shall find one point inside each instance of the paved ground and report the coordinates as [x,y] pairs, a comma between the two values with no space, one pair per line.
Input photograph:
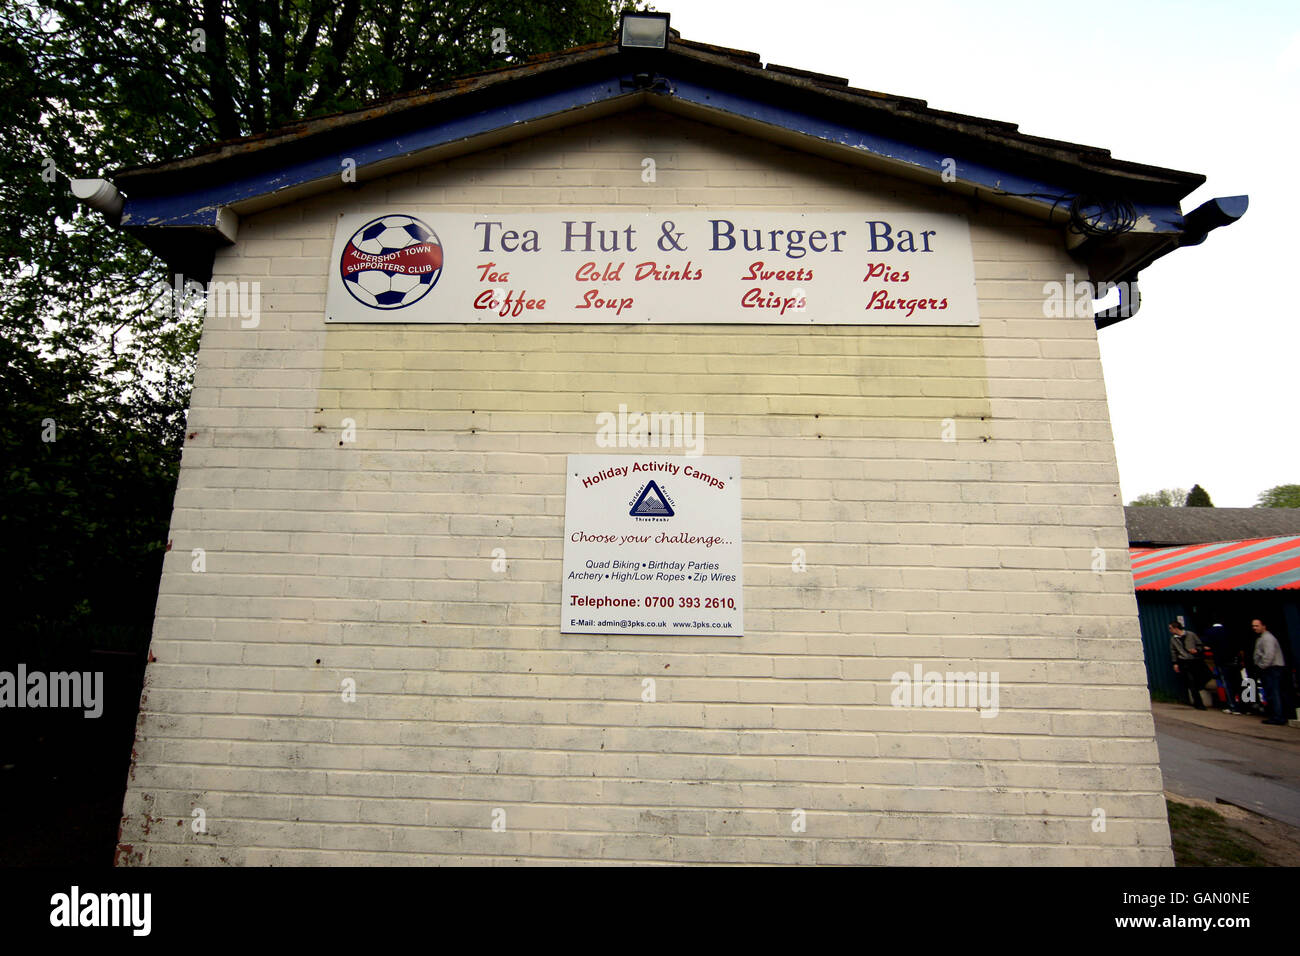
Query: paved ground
[1212,756]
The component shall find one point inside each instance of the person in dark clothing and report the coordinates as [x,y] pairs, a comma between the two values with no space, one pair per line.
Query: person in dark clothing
[1185,650]
[1227,668]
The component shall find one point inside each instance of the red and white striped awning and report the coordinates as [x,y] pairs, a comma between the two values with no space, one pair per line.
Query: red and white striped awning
[1260,564]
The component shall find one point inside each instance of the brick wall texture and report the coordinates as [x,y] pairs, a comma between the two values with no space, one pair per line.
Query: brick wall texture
[371,561]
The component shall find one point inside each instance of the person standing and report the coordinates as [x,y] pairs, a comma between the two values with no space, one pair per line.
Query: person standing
[1225,669]
[1268,658]
[1185,650]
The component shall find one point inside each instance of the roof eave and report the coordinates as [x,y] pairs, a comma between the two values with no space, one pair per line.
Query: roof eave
[899,136]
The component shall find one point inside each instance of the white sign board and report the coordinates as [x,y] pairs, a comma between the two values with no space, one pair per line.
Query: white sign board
[652,546]
[685,265]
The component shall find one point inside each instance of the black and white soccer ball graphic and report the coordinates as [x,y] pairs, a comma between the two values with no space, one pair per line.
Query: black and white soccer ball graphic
[391,262]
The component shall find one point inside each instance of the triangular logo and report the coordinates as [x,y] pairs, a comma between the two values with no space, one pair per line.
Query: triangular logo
[651,504]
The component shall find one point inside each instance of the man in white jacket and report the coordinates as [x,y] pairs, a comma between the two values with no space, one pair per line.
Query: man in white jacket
[1271,664]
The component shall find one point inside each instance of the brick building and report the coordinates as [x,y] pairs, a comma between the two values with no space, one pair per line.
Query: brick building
[948,488]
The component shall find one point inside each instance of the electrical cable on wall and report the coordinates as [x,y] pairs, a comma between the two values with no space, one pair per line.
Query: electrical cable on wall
[1113,217]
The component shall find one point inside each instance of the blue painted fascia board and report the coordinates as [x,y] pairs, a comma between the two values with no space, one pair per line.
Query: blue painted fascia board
[198,208]
[994,179]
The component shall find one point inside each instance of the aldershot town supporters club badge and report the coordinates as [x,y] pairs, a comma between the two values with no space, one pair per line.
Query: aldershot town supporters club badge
[391,262]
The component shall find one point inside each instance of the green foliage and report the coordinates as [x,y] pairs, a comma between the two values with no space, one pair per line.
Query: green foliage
[1198,497]
[90,90]
[1164,498]
[1280,496]
[83,516]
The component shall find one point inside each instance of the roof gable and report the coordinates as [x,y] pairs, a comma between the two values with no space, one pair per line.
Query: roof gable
[1116,216]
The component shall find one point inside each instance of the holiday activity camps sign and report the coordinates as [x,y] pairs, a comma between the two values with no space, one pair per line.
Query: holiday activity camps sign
[679,266]
[652,546]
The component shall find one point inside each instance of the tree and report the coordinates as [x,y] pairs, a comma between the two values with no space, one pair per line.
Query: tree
[91,89]
[1164,498]
[1198,497]
[94,378]
[1280,496]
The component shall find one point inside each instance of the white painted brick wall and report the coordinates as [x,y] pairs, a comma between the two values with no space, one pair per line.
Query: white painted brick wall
[372,561]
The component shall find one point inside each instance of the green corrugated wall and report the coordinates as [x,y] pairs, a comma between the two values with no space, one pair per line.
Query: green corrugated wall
[1154,615]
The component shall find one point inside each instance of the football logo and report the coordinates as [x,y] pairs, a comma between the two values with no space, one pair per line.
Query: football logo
[391,262]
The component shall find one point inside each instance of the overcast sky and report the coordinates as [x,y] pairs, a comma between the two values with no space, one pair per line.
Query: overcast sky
[1204,381]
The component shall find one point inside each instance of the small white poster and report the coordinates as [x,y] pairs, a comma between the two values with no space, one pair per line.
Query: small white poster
[652,546]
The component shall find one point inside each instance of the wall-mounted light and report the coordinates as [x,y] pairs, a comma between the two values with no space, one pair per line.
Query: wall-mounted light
[643,31]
